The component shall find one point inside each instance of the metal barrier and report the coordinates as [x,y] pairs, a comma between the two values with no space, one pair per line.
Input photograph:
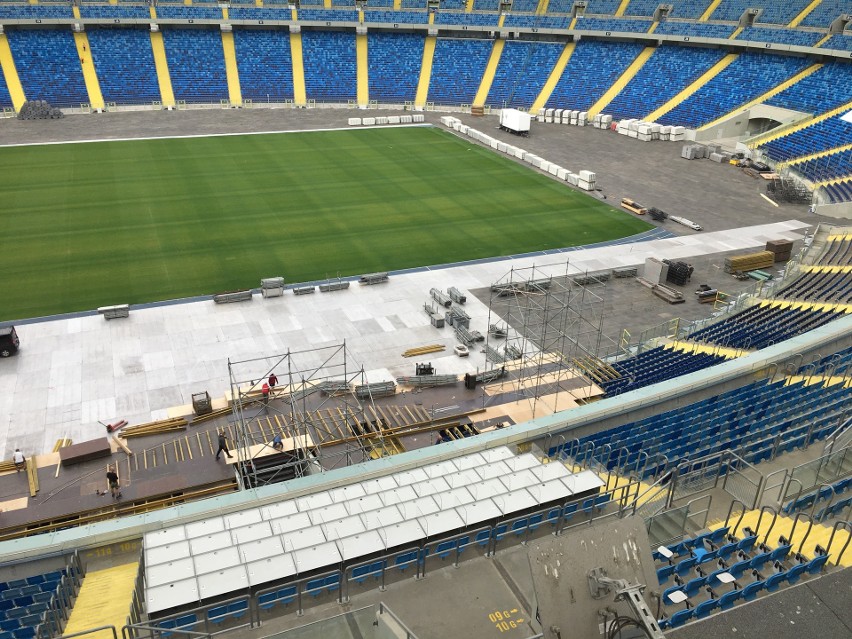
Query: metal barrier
[485,537]
[91,631]
[378,569]
[848,527]
[215,618]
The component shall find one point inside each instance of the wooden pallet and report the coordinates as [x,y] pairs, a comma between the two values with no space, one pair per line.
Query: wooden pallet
[154,428]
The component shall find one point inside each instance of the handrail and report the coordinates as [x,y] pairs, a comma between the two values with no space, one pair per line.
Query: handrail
[817,494]
[771,525]
[839,524]
[807,533]
[844,427]
[408,633]
[730,512]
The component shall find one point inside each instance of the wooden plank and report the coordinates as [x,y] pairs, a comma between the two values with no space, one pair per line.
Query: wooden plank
[123,446]
[188,447]
[32,476]
[414,420]
[387,422]
[335,423]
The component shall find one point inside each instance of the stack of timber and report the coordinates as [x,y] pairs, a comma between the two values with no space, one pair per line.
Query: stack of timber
[155,428]
[596,369]
[781,249]
[749,262]
[423,350]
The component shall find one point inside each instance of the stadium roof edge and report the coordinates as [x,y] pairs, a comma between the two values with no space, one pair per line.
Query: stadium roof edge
[135,526]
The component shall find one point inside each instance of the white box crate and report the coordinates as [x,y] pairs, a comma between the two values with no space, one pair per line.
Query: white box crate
[354,121]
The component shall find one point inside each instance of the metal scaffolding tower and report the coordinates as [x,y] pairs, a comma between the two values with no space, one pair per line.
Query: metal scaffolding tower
[308,381]
[550,317]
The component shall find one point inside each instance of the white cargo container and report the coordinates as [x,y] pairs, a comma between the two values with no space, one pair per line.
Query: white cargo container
[516,121]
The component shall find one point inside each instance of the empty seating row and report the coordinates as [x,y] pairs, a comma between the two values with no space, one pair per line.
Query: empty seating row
[842,41]
[48,66]
[115,11]
[393,61]
[781,36]
[821,136]
[613,24]
[469,19]
[761,326]
[840,192]
[188,12]
[329,76]
[825,89]
[657,365]
[748,593]
[696,29]
[773,12]
[747,77]
[824,493]
[196,64]
[827,167]
[125,64]
[669,70]
[396,17]
[264,64]
[756,420]
[823,287]
[522,72]
[593,68]
[825,12]
[457,69]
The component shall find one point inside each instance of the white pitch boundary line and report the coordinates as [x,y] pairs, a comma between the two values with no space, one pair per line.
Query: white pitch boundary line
[223,135]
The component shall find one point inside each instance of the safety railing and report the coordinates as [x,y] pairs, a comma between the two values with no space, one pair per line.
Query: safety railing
[221,617]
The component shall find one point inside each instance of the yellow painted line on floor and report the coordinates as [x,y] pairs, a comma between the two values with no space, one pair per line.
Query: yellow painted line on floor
[616,88]
[164,79]
[87,64]
[808,306]
[709,11]
[104,600]
[541,9]
[425,70]
[736,33]
[573,23]
[75,10]
[817,268]
[326,4]
[769,94]
[153,11]
[468,7]
[839,237]
[818,380]
[802,124]
[709,349]
[819,534]
[10,73]
[490,70]
[804,14]
[501,20]
[621,8]
[823,40]
[821,154]
[554,77]
[397,5]
[232,73]
[299,93]
[693,87]
[363,67]
[653,27]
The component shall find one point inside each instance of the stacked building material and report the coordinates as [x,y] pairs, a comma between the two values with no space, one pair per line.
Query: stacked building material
[781,249]
[749,262]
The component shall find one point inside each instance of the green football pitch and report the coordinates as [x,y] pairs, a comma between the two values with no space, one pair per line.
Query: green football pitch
[93,224]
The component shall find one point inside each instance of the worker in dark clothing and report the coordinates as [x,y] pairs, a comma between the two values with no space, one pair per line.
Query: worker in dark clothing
[273,380]
[223,446]
[112,478]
